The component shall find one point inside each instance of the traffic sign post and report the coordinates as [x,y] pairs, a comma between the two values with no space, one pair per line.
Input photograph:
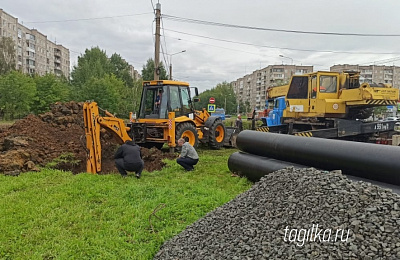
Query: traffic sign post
[211,100]
[210,108]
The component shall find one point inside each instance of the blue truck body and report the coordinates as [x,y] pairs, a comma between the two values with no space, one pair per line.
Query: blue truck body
[274,117]
[220,112]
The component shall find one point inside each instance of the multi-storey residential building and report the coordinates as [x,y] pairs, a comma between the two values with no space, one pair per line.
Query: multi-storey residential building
[373,73]
[252,88]
[134,73]
[33,51]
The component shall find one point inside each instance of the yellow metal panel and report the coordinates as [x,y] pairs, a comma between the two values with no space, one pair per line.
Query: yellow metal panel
[335,106]
[165,82]
[279,91]
[171,127]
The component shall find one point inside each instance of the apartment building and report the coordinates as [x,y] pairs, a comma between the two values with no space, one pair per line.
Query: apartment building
[373,73]
[134,73]
[34,53]
[252,87]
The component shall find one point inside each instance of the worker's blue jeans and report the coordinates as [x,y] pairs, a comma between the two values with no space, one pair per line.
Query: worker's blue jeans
[187,163]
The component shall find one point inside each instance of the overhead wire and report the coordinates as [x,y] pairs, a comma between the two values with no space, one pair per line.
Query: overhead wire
[189,20]
[274,47]
[166,62]
[88,19]
[212,45]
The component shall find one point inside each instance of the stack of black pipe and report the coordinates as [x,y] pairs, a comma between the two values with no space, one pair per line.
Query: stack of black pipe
[262,153]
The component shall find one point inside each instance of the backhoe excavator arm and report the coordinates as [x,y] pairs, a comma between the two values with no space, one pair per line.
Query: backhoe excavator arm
[93,121]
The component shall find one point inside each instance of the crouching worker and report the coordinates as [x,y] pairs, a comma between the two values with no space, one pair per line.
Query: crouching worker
[188,157]
[129,158]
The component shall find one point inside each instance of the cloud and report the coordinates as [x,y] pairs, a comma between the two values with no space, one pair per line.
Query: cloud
[212,60]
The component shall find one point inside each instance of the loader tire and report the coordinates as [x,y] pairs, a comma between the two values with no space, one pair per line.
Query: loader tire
[188,132]
[217,134]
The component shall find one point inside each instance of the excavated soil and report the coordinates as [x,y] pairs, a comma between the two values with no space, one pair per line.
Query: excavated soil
[38,140]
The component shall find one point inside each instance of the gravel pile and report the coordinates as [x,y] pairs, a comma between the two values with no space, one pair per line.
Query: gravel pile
[278,217]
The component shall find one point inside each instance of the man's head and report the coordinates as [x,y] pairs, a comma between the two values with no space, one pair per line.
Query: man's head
[181,141]
[239,116]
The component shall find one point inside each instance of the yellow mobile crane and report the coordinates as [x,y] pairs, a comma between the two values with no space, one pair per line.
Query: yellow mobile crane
[166,114]
[329,105]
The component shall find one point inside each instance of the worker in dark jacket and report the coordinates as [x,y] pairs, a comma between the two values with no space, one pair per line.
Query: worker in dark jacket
[129,158]
[188,157]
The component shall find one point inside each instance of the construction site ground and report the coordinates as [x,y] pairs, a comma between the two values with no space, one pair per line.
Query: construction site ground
[58,137]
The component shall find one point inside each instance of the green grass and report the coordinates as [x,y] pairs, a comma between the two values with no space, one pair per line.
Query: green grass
[6,122]
[56,215]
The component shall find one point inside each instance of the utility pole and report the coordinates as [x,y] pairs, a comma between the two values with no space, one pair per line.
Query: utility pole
[157,48]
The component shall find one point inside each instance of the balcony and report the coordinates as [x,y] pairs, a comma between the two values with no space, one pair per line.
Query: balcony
[57,52]
[30,37]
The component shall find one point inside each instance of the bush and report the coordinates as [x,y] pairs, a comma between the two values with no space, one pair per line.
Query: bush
[246,123]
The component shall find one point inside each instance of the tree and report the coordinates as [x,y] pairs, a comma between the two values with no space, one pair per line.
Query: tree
[7,55]
[93,64]
[50,89]
[224,97]
[148,71]
[107,92]
[121,69]
[130,99]
[17,94]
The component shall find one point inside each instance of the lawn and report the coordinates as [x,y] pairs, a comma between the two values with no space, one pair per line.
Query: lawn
[56,215]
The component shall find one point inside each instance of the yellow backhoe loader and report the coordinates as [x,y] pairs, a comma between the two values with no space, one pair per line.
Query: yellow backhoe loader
[166,114]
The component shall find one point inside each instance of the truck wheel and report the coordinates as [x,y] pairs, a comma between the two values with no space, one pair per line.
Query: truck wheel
[217,134]
[188,132]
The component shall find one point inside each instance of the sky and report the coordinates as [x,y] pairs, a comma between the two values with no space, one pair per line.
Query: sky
[228,39]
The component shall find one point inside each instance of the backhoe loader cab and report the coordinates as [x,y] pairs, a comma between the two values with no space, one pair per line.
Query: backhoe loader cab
[161,97]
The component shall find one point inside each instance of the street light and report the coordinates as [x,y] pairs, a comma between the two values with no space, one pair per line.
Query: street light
[287,58]
[170,62]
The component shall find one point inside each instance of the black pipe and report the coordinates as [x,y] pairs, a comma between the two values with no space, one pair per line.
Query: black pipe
[370,161]
[254,167]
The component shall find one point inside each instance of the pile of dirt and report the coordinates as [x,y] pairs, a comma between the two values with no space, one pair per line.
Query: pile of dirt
[59,136]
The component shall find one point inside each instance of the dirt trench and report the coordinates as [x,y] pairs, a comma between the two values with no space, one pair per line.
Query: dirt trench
[35,141]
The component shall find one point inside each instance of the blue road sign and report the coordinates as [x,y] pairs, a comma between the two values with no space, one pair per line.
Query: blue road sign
[211,108]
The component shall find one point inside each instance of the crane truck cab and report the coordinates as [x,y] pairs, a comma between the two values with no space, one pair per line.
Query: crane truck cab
[327,104]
